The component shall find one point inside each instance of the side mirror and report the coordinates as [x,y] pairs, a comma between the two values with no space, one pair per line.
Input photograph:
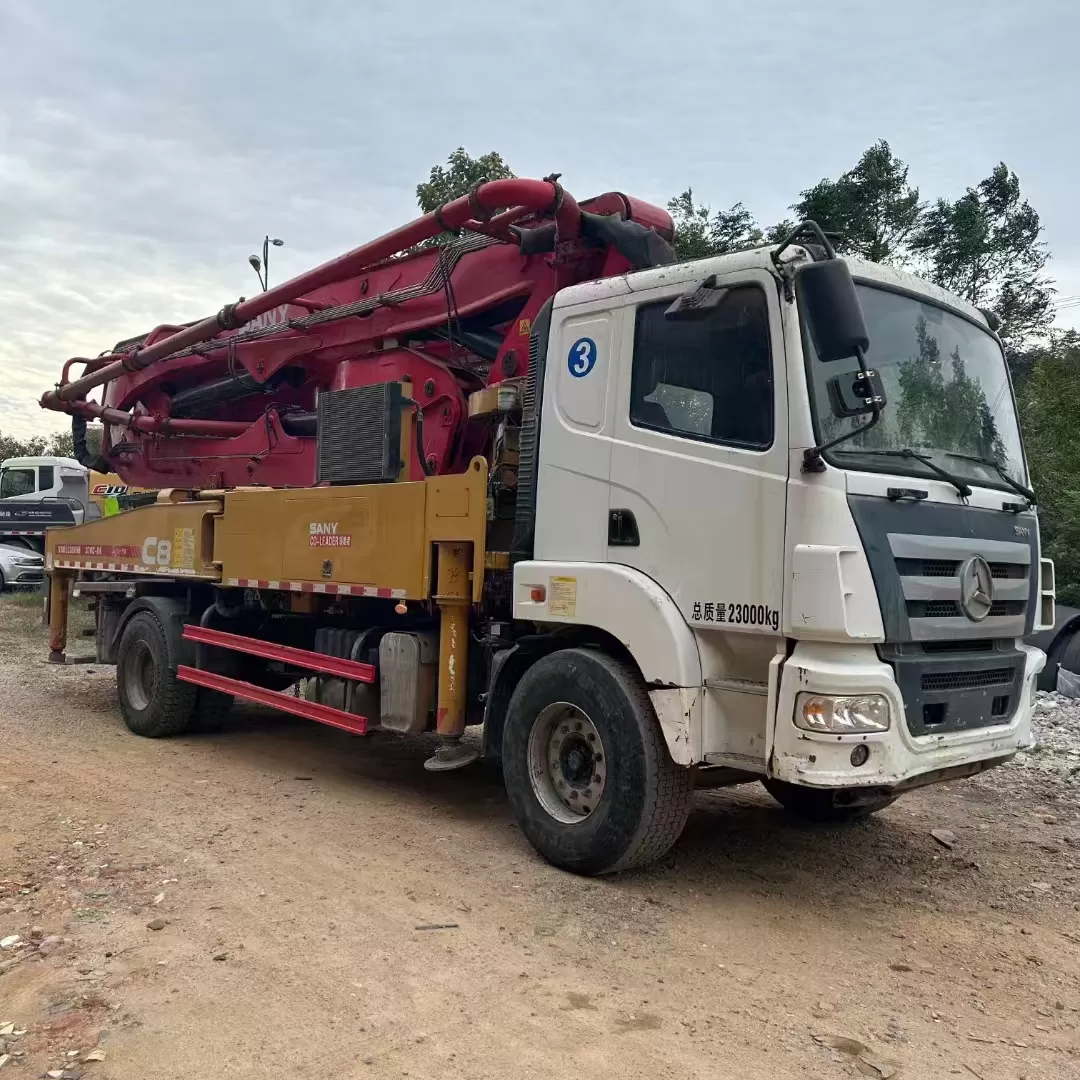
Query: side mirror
[831,308]
[856,393]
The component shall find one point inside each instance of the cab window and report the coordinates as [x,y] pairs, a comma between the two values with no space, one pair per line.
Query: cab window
[707,378]
[16,482]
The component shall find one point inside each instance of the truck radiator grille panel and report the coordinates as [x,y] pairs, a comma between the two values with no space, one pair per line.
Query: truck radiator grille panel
[950,609]
[929,568]
[967,680]
[359,434]
[932,648]
[947,568]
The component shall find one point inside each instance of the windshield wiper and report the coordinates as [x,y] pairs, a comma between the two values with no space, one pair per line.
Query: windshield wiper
[933,466]
[992,463]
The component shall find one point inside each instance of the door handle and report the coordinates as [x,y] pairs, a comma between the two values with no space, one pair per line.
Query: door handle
[622,530]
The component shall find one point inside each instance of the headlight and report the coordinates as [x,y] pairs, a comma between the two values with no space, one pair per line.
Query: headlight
[27,560]
[842,715]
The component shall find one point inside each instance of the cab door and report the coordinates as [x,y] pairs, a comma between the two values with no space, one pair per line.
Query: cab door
[698,481]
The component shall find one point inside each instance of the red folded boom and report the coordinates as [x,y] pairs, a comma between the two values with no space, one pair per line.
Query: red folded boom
[231,400]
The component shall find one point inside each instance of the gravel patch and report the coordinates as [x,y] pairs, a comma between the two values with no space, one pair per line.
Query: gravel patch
[1050,768]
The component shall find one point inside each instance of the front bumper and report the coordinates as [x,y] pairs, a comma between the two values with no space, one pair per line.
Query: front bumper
[897,758]
[31,575]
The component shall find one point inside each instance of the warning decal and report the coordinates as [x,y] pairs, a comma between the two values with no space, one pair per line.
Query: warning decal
[183,549]
[562,596]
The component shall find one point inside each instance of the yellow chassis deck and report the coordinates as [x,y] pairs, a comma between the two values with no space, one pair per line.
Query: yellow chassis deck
[363,540]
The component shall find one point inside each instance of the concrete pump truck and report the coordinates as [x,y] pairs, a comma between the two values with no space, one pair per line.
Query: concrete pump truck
[653,525]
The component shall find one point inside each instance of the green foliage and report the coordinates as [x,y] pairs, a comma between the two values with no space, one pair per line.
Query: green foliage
[872,207]
[10,446]
[1049,401]
[986,247]
[699,231]
[58,444]
[453,180]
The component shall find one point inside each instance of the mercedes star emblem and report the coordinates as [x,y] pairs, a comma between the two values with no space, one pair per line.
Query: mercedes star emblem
[976,588]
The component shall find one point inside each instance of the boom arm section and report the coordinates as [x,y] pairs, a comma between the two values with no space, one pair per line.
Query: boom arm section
[231,400]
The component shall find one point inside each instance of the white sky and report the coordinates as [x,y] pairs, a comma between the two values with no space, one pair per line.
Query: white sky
[145,148]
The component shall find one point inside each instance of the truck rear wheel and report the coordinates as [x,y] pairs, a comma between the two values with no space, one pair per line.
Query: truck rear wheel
[586,767]
[826,806]
[153,701]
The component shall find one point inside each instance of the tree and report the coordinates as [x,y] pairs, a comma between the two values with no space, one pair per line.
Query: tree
[58,444]
[700,232]
[11,446]
[872,208]
[459,174]
[986,247]
[1049,402]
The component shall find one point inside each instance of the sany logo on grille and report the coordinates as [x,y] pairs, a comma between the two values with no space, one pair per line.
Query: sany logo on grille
[325,534]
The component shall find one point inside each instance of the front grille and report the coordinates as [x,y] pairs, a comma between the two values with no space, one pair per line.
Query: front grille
[958,646]
[946,568]
[1004,571]
[966,680]
[950,609]
[933,609]
[927,567]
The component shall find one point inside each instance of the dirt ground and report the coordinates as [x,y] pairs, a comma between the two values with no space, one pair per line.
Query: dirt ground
[283,900]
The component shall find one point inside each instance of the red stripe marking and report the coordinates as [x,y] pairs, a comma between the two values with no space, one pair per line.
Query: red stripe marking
[384,593]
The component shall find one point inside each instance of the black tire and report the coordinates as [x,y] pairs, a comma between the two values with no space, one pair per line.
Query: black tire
[645,797]
[211,710]
[154,703]
[3,584]
[827,807]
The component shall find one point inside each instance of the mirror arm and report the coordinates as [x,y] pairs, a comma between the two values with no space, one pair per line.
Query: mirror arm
[804,227]
[812,461]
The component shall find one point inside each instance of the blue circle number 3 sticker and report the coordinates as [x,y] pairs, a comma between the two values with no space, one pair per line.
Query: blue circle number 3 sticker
[582,357]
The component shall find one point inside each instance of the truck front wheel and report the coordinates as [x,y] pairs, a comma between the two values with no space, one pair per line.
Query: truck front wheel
[153,701]
[827,806]
[586,767]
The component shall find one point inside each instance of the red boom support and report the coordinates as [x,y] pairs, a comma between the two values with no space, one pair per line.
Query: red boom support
[229,400]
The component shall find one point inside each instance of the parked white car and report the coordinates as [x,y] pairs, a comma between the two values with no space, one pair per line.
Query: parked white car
[20,566]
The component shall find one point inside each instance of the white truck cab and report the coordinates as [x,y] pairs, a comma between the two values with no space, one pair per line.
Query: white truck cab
[38,493]
[845,621]
[29,478]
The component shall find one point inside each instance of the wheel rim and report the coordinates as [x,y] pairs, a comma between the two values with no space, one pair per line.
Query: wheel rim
[567,763]
[140,679]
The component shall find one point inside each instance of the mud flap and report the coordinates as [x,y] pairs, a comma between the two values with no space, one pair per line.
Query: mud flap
[675,709]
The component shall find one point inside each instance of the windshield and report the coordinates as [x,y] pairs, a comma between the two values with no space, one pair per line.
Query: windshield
[16,482]
[947,390]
